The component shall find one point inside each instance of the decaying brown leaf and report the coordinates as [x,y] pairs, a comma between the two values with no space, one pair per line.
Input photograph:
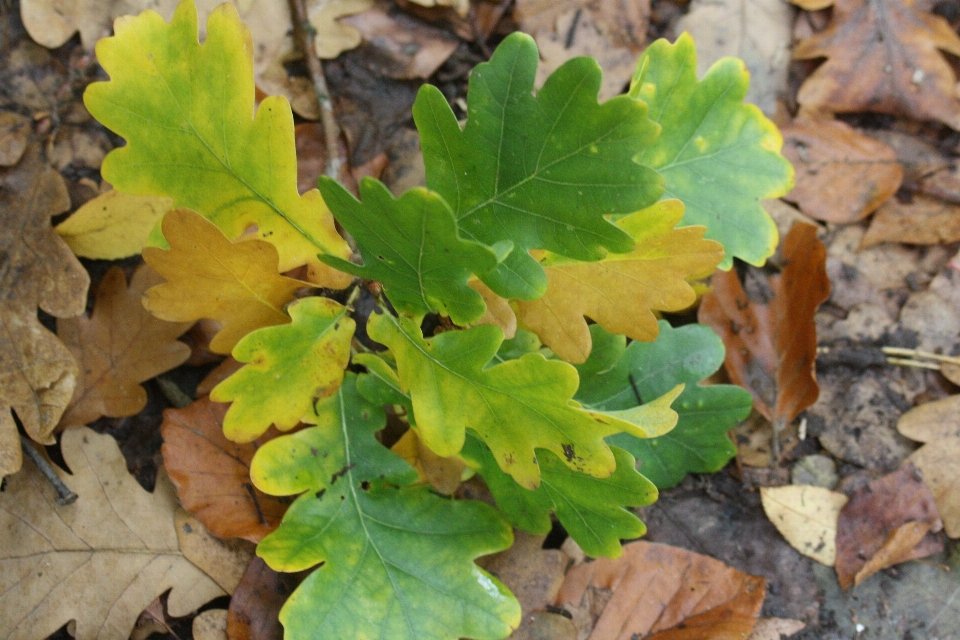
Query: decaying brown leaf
[885,523]
[842,176]
[223,560]
[807,518]
[210,625]
[883,57]
[532,573]
[937,425]
[98,561]
[444,474]
[212,474]
[772,344]
[660,592]
[925,219]
[37,372]
[14,135]
[255,605]
[117,348]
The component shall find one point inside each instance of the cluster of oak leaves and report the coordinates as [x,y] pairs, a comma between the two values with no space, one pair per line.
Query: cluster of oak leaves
[511,241]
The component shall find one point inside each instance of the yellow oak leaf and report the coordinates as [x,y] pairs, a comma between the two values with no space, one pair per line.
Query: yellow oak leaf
[113,225]
[622,291]
[235,283]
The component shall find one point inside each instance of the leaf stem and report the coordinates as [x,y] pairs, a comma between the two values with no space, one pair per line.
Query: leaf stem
[64,495]
[303,33]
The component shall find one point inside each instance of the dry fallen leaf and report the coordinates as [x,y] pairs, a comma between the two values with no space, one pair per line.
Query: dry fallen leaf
[113,225]
[669,593]
[444,474]
[807,518]
[120,346]
[235,283]
[98,561]
[37,372]
[462,7]
[223,560]
[842,176]
[886,522]
[210,625]
[775,628]
[883,57]
[532,573]
[937,425]
[255,605]
[14,135]
[212,474]
[924,219]
[772,344]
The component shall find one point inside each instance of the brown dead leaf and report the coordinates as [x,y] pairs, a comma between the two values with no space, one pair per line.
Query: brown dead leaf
[775,629]
[98,561]
[772,344]
[886,522]
[37,372]
[842,176]
[928,218]
[14,134]
[883,57]
[210,625]
[532,573]
[223,560]
[255,605]
[444,474]
[669,593]
[936,424]
[212,474]
[807,517]
[117,348]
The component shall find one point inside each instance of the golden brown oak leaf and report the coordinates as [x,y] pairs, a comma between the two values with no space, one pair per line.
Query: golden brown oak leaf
[883,56]
[235,283]
[99,561]
[37,372]
[212,474]
[117,348]
[658,592]
[622,291]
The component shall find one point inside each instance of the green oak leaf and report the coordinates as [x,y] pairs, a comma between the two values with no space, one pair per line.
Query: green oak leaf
[193,134]
[646,369]
[288,367]
[718,155]
[397,562]
[411,246]
[592,510]
[539,170]
[516,407]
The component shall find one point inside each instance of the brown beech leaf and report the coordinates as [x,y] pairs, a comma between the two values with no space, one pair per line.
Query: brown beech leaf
[842,176]
[255,605]
[117,348]
[938,425]
[212,474]
[771,348]
[37,372]
[658,592]
[925,219]
[883,57]
[886,522]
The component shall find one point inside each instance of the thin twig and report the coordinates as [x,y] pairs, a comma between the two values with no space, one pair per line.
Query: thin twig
[304,33]
[64,495]
[906,362]
[917,353]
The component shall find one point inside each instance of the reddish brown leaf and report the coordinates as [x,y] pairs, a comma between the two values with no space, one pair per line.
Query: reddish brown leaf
[256,602]
[117,348]
[842,176]
[663,591]
[212,474]
[883,57]
[772,346]
[873,524]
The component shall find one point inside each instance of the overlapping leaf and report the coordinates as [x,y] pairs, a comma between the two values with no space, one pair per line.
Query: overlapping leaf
[539,170]
[592,510]
[397,562]
[117,348]
[516,406]
[288,368]
[617,378]
[113,225]
[411,246]
[717,154]
[235,283]
[187,113]
[621,291]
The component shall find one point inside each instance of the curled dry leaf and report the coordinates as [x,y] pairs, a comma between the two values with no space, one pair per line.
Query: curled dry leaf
[212,474]
[113,225]
[936,424]
[842,176]
[807,518]
[886,523]
[99,561]
[37,372]
[662,593]
[771,348]
[883,57]
[117,348]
